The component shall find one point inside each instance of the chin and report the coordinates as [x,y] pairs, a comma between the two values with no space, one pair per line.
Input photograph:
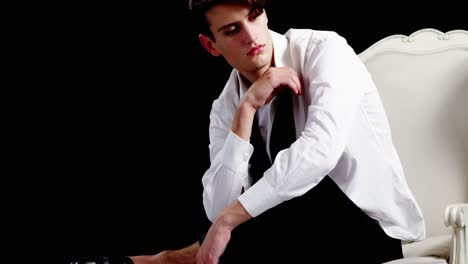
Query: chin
[261,69]
[262,60]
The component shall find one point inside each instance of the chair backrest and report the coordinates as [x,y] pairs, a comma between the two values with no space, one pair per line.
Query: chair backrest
[423,82]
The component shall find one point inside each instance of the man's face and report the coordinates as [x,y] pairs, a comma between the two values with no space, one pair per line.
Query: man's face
[242,37]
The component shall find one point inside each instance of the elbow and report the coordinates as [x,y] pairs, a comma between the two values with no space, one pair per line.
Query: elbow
[325,162]
[331,161]
[328,164]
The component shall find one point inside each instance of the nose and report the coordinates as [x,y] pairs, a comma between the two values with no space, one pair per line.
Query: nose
[250,34]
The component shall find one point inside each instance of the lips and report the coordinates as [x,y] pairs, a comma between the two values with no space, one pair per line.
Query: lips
[256,50]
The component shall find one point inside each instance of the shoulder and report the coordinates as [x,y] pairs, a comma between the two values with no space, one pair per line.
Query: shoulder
[310,39]
[307,46]
[313,36]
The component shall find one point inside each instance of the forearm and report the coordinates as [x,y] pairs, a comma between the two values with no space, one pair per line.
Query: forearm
[219,234]
[233,216]
[243,120]
[228,173]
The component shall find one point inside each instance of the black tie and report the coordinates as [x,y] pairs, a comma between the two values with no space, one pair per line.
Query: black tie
[283,134]
[283,131]
[259,161]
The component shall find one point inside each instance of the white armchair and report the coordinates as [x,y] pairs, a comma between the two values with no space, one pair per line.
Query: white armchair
[423,82]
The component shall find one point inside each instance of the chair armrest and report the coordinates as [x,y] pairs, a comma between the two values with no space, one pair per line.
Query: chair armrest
[417,260]
[435,246]
[456,216]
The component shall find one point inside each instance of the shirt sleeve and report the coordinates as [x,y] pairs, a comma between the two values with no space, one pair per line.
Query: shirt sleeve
[229,159]
[335,79]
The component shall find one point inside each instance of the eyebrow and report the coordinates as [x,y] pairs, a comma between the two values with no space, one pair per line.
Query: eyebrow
[234,23]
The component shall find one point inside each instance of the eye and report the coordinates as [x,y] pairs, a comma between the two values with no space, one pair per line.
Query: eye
[231,30]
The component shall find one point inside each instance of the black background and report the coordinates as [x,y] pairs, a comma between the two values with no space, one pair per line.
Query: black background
[105,122]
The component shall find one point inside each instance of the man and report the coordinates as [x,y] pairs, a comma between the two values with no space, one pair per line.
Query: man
[335,191]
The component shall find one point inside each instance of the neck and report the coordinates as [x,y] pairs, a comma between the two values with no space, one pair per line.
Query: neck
[251,77]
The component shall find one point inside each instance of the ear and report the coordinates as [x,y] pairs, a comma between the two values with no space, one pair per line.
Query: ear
[208,45]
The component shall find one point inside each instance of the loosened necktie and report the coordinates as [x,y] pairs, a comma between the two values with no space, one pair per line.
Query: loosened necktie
[283,131]
[283,134]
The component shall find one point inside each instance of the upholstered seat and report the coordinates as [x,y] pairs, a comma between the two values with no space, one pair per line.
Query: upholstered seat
[423,83]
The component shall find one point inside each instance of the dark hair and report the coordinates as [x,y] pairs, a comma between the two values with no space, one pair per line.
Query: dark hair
[198,9]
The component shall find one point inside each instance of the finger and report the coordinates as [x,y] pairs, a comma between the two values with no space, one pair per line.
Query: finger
[295,78]
[298,81]
[286,77]
[294,86]
[284,81]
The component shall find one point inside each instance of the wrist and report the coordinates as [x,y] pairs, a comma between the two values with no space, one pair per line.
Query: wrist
[246,105]
[233,216]
[246,109]
[243,119]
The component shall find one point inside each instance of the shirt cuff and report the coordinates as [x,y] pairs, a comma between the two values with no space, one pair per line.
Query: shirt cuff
[259,198]
[237,152]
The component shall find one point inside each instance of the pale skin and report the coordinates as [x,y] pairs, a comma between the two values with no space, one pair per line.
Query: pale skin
[242,37]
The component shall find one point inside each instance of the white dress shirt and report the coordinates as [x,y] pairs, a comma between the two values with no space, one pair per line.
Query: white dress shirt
[341,130]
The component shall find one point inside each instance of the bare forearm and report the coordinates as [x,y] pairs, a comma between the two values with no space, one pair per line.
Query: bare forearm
[234,215]
[243,120]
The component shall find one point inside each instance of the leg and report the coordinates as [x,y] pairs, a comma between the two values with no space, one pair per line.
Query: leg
[322,226]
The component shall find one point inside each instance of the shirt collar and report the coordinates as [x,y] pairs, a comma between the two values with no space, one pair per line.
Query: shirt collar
[280,56]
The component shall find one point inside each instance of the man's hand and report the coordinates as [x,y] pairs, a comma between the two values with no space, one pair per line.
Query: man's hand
[219,234]
[186,255]
[260,93]
[270,84]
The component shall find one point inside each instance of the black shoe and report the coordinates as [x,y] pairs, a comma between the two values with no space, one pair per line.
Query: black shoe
[103,260]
